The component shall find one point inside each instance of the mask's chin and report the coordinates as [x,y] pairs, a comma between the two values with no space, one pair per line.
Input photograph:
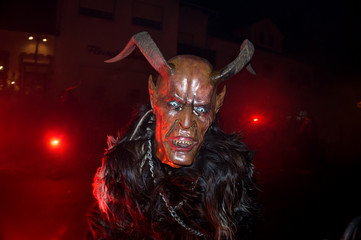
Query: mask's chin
[182,161]
[180,155]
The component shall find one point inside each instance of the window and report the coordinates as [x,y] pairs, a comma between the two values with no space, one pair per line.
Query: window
[261,38]
[35,75]
[97,8]
[270,40]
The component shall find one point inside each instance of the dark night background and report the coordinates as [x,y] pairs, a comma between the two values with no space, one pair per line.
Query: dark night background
[323,32]
[326,34]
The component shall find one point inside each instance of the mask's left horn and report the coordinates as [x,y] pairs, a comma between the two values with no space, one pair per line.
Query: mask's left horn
[243,59]
[150,51]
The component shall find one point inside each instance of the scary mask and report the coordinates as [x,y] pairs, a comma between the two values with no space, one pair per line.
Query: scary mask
[184,99]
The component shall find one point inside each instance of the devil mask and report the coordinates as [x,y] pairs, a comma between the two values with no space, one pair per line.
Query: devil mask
[184,99]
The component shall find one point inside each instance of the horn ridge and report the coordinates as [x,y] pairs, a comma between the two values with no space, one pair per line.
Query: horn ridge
[148,48]
[243,59]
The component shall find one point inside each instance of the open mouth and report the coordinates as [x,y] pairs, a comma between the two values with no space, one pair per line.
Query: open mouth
[182,143]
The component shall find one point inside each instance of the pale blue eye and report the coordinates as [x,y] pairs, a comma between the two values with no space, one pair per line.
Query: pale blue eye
[200,109]
[175,105]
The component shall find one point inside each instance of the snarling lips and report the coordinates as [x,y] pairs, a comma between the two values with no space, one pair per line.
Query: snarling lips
[182,143]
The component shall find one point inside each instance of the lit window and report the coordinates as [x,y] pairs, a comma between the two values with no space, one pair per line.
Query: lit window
[358,104]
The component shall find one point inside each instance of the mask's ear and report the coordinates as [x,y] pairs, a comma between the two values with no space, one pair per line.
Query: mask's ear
[151,89]
[220,98]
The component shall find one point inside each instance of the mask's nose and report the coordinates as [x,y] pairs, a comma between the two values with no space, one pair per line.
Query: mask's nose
[187,118]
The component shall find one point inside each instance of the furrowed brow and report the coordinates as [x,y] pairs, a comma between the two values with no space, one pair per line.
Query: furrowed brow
[179,99]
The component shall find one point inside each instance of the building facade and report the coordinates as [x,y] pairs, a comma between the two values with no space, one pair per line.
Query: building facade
[89,32]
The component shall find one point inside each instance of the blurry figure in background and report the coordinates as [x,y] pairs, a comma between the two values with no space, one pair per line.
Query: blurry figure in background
[301,143]
[175,174]
[69,106]
[308,142]
[67,97]
[305,120]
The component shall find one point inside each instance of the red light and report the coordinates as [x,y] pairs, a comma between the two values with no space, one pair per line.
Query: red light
[54,142]
[256,119]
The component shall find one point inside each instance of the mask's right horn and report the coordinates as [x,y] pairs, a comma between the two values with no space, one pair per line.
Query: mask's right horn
[149,49]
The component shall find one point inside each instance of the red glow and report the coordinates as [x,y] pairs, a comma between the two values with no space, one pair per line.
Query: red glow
[256,119]
[54,142]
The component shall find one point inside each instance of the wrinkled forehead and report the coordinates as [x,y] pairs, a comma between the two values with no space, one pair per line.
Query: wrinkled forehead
[190,79]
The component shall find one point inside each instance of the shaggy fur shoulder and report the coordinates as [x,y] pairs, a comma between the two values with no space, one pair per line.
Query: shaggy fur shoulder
[214,196]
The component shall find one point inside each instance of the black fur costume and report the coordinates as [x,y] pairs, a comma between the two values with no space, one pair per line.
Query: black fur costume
[213,197]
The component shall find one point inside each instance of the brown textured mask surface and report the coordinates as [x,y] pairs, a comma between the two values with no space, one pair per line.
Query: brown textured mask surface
[185,104]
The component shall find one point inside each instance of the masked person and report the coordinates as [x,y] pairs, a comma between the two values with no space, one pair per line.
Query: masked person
[175,174]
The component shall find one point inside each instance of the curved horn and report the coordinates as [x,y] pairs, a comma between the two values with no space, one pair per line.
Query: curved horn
[150,51]
[234,67]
